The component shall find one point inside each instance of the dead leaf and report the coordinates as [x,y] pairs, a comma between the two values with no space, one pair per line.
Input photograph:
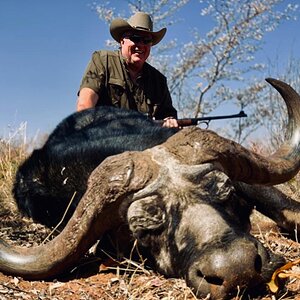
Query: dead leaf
[16,281]
[282,273]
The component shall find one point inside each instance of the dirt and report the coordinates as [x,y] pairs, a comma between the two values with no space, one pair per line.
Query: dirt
[96,278]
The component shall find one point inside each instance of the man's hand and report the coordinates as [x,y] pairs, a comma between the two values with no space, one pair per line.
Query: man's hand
[170,122]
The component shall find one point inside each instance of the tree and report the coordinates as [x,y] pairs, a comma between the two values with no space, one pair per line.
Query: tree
[217,70]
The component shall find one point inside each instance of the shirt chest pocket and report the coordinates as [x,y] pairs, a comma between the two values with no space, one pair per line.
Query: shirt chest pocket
[117,88]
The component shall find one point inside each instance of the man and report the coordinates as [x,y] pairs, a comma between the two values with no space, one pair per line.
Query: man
[123,78]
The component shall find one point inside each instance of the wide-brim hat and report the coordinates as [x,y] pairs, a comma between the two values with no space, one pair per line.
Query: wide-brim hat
[140,22]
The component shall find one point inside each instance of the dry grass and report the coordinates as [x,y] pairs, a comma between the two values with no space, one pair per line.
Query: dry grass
[111,280]
[13,151]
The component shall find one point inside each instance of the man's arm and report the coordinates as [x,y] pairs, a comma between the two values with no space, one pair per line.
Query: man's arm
[87,99]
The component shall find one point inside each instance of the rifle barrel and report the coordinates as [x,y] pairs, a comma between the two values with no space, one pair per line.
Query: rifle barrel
[241,114]
[194,121]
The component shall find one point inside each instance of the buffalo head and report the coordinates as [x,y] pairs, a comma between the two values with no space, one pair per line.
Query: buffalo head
[179,200]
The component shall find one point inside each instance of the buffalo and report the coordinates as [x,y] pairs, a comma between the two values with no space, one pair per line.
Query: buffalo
[184,195]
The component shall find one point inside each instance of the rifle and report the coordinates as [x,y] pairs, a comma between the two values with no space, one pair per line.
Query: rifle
[195,121]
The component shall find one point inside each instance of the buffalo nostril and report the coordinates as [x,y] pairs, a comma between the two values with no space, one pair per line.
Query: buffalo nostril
[214,280]
[258,264]
[200,274]
[210,279]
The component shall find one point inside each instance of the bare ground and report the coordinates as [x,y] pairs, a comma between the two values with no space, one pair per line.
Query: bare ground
[98,279]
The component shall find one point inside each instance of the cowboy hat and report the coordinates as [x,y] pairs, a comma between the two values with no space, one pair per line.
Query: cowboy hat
[138,22]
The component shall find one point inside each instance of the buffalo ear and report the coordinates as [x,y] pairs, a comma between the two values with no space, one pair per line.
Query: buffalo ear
[146,216]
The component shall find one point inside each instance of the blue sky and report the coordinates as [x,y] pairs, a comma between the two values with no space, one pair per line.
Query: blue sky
[46,45]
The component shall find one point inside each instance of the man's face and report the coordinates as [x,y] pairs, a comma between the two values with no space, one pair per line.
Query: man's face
[135,47]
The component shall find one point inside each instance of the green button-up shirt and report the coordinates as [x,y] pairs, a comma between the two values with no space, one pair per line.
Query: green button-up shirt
[107,75]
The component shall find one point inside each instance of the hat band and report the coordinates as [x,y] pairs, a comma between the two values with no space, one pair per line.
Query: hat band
[142,28]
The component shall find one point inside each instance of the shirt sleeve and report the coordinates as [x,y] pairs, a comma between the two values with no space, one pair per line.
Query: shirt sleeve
[94,75]
[166,108]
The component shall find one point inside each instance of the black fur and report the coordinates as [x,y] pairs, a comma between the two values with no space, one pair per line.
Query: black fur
[46,181]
